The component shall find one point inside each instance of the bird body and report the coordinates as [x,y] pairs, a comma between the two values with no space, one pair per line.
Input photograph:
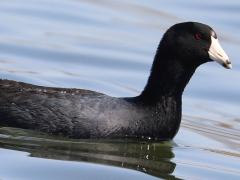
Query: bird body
[81,113]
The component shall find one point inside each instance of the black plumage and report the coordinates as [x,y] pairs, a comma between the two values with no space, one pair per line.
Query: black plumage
[78,113]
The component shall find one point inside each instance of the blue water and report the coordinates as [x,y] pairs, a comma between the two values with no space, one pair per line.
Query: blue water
[108,46]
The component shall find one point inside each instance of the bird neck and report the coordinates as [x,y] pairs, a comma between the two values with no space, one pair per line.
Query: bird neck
[168,77]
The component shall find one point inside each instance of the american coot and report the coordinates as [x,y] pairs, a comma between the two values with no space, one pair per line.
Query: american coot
[155,113]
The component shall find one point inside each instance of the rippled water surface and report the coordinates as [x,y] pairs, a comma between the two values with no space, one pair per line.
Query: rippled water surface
[108,46]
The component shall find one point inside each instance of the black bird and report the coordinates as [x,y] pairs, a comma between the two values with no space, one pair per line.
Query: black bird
[155,113]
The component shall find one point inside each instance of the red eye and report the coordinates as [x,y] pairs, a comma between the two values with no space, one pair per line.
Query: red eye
[198,36]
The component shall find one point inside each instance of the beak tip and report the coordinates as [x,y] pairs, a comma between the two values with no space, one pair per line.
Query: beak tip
[227,65]
[230,66]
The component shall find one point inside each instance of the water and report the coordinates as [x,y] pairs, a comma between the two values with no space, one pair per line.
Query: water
[108,46]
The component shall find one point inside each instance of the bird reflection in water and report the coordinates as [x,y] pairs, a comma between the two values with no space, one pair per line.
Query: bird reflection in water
[151,157]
